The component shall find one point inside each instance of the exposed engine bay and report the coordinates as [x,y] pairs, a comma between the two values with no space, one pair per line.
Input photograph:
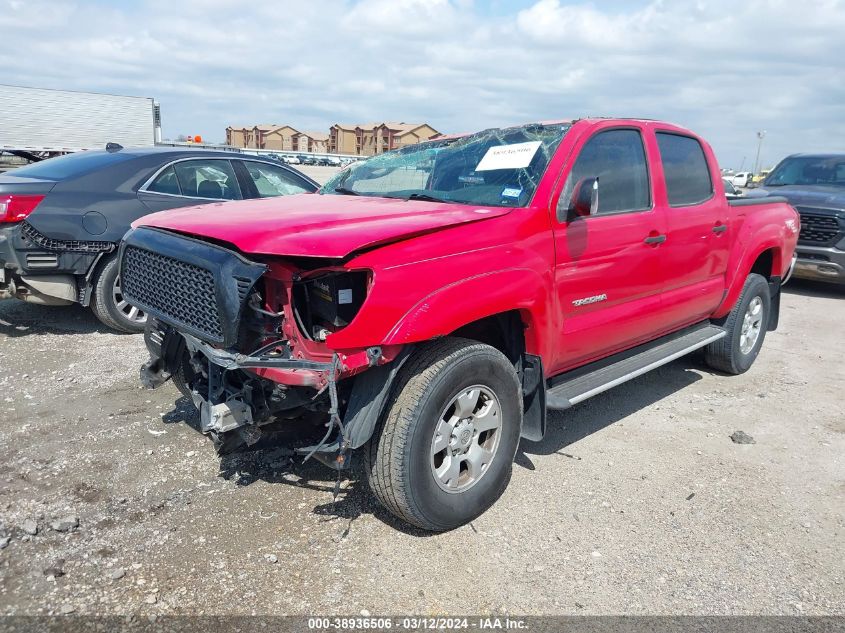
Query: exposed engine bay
[245,341]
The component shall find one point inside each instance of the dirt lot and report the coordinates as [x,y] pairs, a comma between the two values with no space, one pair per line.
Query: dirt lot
[636,502]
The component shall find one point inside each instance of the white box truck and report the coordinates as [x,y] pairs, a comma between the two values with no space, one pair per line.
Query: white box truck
[45,122]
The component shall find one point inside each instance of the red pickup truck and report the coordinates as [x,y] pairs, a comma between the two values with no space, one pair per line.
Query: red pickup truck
[429,305]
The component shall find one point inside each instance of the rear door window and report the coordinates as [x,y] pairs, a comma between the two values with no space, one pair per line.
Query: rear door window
[209,179]
[167,183]
[688,179]
[271,181]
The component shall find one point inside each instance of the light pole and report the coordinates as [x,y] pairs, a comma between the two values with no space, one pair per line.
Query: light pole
[760,136]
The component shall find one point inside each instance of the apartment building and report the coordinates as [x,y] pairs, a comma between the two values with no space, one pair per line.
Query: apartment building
[283,138]
[368,139]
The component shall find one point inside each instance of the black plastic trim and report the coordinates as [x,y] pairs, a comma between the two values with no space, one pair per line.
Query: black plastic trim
[369,394]
[533,397]
[31,234]
[226,266]
[774,303]
[750,202]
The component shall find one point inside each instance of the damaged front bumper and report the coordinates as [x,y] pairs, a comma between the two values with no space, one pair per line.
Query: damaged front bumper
[242,406]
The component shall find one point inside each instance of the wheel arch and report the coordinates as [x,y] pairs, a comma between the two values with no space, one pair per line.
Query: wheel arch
[504,331]
[766,260]
[89,279]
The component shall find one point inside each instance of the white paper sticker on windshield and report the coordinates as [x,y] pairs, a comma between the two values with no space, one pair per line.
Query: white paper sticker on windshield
[344,295]
[514,156]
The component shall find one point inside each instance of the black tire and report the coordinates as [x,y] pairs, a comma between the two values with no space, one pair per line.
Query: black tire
[104,304]
[181,381]
[183,374]
[398,458]
[726,354]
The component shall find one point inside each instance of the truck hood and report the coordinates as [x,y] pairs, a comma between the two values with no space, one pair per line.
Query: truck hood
[316,225]
[825,196]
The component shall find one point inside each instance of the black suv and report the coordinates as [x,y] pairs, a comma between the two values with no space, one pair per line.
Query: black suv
[62,219]
[815,185]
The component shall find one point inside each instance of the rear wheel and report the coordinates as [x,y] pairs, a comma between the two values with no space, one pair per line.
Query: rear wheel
[443,451]
[109,304]
[746,325]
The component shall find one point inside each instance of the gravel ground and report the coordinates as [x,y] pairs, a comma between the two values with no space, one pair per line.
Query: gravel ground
[637,502]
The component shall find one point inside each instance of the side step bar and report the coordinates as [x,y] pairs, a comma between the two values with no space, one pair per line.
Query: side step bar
[579,384]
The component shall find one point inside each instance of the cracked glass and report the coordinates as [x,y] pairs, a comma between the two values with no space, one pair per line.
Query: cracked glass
[499,167]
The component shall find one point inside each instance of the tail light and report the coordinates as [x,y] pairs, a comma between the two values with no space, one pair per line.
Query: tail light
[14,208]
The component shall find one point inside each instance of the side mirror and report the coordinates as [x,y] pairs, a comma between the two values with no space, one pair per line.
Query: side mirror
[585,198]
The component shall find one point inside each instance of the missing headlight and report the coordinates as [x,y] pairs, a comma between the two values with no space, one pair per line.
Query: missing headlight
[328,302]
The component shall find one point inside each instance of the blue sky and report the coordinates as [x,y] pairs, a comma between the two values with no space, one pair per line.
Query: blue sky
[723,69]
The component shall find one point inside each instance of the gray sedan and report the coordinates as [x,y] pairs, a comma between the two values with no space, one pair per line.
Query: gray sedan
[61,219]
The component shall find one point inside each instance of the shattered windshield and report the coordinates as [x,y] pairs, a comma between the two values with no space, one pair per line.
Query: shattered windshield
[497,167]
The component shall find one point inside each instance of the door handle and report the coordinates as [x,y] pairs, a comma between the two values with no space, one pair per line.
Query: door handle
[720,228]
[655,239]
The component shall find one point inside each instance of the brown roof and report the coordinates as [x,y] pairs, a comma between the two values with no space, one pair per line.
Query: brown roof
[415,127]
[404,127]
[317,136]
[396,126]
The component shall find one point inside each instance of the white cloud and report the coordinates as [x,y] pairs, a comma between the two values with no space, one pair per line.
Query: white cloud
[724,69]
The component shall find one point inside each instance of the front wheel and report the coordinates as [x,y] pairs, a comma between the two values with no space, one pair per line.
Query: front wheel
[746,325]
[443,451]
[109,304]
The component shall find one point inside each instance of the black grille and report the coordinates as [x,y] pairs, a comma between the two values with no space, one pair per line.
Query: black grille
[181,291]
[79,246]
[818,229]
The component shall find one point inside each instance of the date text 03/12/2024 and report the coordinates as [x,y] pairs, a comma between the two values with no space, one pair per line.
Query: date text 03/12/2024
[416,623]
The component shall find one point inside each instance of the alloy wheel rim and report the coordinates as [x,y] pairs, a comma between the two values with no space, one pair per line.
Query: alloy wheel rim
[129,312]
[752,324]
[466,439]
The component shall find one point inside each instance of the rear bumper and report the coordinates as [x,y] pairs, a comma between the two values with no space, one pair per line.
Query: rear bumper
[41,270]
[33,276]
[820,264]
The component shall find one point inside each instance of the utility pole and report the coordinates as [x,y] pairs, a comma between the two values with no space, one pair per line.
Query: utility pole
[760,136]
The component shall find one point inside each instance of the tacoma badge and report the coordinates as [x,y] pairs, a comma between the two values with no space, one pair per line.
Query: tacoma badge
[588,300]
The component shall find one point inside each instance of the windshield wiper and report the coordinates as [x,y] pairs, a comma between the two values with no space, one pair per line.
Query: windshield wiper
[425,197]
[346,192]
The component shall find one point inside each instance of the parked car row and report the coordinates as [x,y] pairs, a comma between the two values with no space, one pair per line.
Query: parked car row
[61,219]
[313,159]
[745,179]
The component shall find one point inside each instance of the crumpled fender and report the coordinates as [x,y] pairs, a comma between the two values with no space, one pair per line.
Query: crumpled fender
[473,298]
